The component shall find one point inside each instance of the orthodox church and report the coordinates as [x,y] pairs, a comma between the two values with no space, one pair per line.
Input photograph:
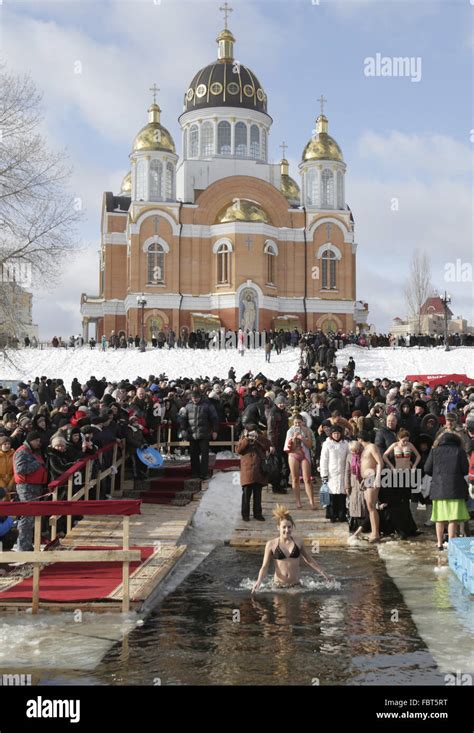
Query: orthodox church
[219,236]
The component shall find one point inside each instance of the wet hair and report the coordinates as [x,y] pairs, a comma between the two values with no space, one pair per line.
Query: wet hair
[282,513]
[403,433]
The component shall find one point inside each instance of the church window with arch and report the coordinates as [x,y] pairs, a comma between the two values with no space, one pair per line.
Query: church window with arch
[207,139]
[156,180]
[241,140]
[193,141]
[223,264]
[327,189]
[223,138]
[169,182]
[270,257]
[141,180]
[254,142]
[328,261]
[155,264]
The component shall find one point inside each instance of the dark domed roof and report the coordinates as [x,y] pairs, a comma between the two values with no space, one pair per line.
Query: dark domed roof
[225,84]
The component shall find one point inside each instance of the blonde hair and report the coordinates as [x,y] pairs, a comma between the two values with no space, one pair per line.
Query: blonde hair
[355,446]
[282,513]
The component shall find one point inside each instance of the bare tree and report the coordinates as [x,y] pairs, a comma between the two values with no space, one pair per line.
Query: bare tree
[418,286]
[38,215]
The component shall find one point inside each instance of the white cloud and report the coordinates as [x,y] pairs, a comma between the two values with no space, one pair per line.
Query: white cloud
[433,154]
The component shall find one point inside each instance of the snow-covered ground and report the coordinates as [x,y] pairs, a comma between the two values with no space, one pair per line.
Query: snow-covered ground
[397,363]
[130,363]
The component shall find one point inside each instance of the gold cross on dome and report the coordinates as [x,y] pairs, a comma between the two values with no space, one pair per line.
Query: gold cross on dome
[283,147]
[226,9]
[322,102]
[154,89]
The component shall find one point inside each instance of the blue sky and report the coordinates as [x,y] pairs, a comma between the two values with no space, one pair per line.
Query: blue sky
[401,139]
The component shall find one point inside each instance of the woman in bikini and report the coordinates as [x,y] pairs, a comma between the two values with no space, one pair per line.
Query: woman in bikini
[298,444]
[287,552]
[403,479]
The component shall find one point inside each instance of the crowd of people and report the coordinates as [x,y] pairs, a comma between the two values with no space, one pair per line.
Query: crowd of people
[361,437]
[276,340]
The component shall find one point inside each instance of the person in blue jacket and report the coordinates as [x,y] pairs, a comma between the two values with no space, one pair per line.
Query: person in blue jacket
[8,530]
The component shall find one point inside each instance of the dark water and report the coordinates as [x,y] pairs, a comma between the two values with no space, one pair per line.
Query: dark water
[212,631]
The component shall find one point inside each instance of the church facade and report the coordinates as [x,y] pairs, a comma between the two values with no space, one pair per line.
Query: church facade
[220,237]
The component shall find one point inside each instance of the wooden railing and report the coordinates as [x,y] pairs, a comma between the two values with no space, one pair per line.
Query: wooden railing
[89,483]
[38,509]
[166,443]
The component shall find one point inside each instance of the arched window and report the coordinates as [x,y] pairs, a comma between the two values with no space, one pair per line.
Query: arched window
[207,139]
[223,264]
[270,256]
[155,264]
[328,260]
[156,180]
[241,139]
[312,188]
[193,141]
[254,142]
[169,182]
[264,145]
[327,189]
[223,138]
[141,180]
[340,190]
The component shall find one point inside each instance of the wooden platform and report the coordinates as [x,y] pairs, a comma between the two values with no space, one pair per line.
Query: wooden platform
[311,525]
[159,526]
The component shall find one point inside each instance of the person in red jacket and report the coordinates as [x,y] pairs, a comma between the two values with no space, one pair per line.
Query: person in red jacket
[31,477]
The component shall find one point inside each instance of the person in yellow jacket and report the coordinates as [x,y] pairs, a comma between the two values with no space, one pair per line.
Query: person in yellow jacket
[7,481]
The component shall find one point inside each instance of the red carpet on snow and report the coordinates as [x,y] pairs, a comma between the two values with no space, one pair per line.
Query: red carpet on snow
[87,581]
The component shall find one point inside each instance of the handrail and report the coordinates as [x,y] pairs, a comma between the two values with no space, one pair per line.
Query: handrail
[124,508]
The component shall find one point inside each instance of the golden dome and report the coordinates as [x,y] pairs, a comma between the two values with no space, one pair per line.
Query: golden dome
[288,185]
[290,188]
[154,136]
[126,187]
[242,210]
[322,146]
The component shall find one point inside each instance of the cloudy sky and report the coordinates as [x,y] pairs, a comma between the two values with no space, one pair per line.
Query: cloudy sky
[407,141]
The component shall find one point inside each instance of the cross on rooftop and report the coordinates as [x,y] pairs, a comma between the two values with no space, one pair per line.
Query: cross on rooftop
[226,9]
[154,89]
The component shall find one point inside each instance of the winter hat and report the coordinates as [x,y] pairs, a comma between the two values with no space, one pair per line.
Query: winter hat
[281,400]
[196,393]
[337,429]
[82,409]
[5,439]
[33,435]
[270,394]
[228,390]
[107,399]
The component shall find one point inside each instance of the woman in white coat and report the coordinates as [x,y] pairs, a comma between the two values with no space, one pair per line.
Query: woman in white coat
[332,467]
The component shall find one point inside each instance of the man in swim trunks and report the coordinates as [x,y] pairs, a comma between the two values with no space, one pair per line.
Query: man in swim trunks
[371,465]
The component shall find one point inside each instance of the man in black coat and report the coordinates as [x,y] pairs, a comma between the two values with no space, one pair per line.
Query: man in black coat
[385,437]
[277,429]
[200,422]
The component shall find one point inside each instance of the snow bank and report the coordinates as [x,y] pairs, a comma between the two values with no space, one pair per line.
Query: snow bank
[395,363]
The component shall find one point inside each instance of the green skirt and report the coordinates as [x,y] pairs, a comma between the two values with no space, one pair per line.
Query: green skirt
[449,510]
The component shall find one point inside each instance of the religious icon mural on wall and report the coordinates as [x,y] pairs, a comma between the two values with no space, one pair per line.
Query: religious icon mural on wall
[248,309]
